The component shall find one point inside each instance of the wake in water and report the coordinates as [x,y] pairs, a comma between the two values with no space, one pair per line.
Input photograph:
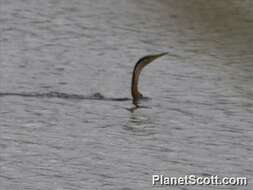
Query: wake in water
[97,96]
[61,95]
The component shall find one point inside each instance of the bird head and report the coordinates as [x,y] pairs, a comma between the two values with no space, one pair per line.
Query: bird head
[149,58]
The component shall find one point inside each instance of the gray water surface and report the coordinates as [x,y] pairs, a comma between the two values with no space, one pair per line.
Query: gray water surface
[199,120]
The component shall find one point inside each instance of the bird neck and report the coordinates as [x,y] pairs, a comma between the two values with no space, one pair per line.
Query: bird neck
[135,79]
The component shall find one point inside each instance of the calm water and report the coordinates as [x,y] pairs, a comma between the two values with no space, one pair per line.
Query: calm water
[199,120]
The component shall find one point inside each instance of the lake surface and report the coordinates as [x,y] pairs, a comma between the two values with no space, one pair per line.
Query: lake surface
[198,121]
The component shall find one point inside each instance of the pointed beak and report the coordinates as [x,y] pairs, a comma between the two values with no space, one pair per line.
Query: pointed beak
[159,55]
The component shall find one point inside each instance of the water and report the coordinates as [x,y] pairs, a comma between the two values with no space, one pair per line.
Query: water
[199,120]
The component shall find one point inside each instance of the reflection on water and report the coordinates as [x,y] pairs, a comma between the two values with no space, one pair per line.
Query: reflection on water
[199,120]
[141,124]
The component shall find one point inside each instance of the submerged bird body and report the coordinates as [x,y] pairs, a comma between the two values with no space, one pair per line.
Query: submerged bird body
[136,74]
[97,96]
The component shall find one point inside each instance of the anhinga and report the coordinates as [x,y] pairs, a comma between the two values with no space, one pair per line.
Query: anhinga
[136,73]
[97,96]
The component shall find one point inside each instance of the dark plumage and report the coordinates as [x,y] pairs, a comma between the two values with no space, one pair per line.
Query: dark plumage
[136,73]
